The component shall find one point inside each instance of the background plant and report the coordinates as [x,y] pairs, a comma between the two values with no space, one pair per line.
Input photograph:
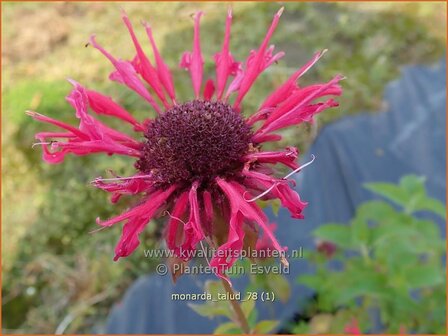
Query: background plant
[267,282]
[387,268]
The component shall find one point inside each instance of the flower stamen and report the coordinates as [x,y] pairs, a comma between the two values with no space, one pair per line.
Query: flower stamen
[42,143]
[300,168]
[100,179]
[166,212]
[313,157]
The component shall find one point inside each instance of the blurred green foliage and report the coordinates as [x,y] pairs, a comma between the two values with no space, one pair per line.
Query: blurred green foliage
[213,309]
[395,269]
[57,276]
[275,284]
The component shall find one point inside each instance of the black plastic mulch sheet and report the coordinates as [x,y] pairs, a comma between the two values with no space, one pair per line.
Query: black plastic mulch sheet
[408,137]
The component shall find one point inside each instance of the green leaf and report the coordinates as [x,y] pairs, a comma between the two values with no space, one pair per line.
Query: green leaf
[360,231]
[280,285]
[390,191]
[211,309]
[213,287]
[413,184]
[247,306]
[262,204]
[348,294]
[300,328]
[275,205]
[202,309]
[410,194]
[425,276]
[356,283]
[401,239]
[312,281]
[375,210]
[339,234]
[252,319]
[432,205]
[429,231]
[227,328]
[265,327]
[402,304]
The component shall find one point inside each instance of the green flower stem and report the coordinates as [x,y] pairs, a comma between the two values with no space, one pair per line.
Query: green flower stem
[239,315]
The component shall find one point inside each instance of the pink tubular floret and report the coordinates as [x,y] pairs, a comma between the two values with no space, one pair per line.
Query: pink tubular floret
[143,65]
[241,209]
[257,62]
[137,219]
[209,89]
[102,104]
[162,69]
[287,157]
[124,186]
[209,212]
[126,74]
[286,89]
[298,108]
[195,219]
[175,227]
[281,190]
[92,136]
[225,64]
[193,61]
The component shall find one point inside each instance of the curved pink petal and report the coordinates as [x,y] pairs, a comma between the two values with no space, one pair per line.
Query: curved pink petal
[304,96]
[81,148]
[287,157]
[119,137]
[261,114]
[209,89]
[91,137]
[162,69]
[236,82]
[250,211]
[284,91]
[95,130]
[228,253]
[263,242]
[146,69]
[225,65]
[257,62]
[195,219]
[145,210]
[102,104]
[55,135]
[260,138]
[48,120]
[125,73]
[129,240]
[193,61]
[52,157]
[281,190]
[133,185]
[303,114]
[298,108]
[172,233]
[208,211]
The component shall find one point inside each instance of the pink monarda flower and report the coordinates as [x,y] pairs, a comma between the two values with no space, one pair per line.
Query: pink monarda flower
[352,328]
[326,248]
[201,163]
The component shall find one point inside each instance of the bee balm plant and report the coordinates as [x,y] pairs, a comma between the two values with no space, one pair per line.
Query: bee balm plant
[200,163]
